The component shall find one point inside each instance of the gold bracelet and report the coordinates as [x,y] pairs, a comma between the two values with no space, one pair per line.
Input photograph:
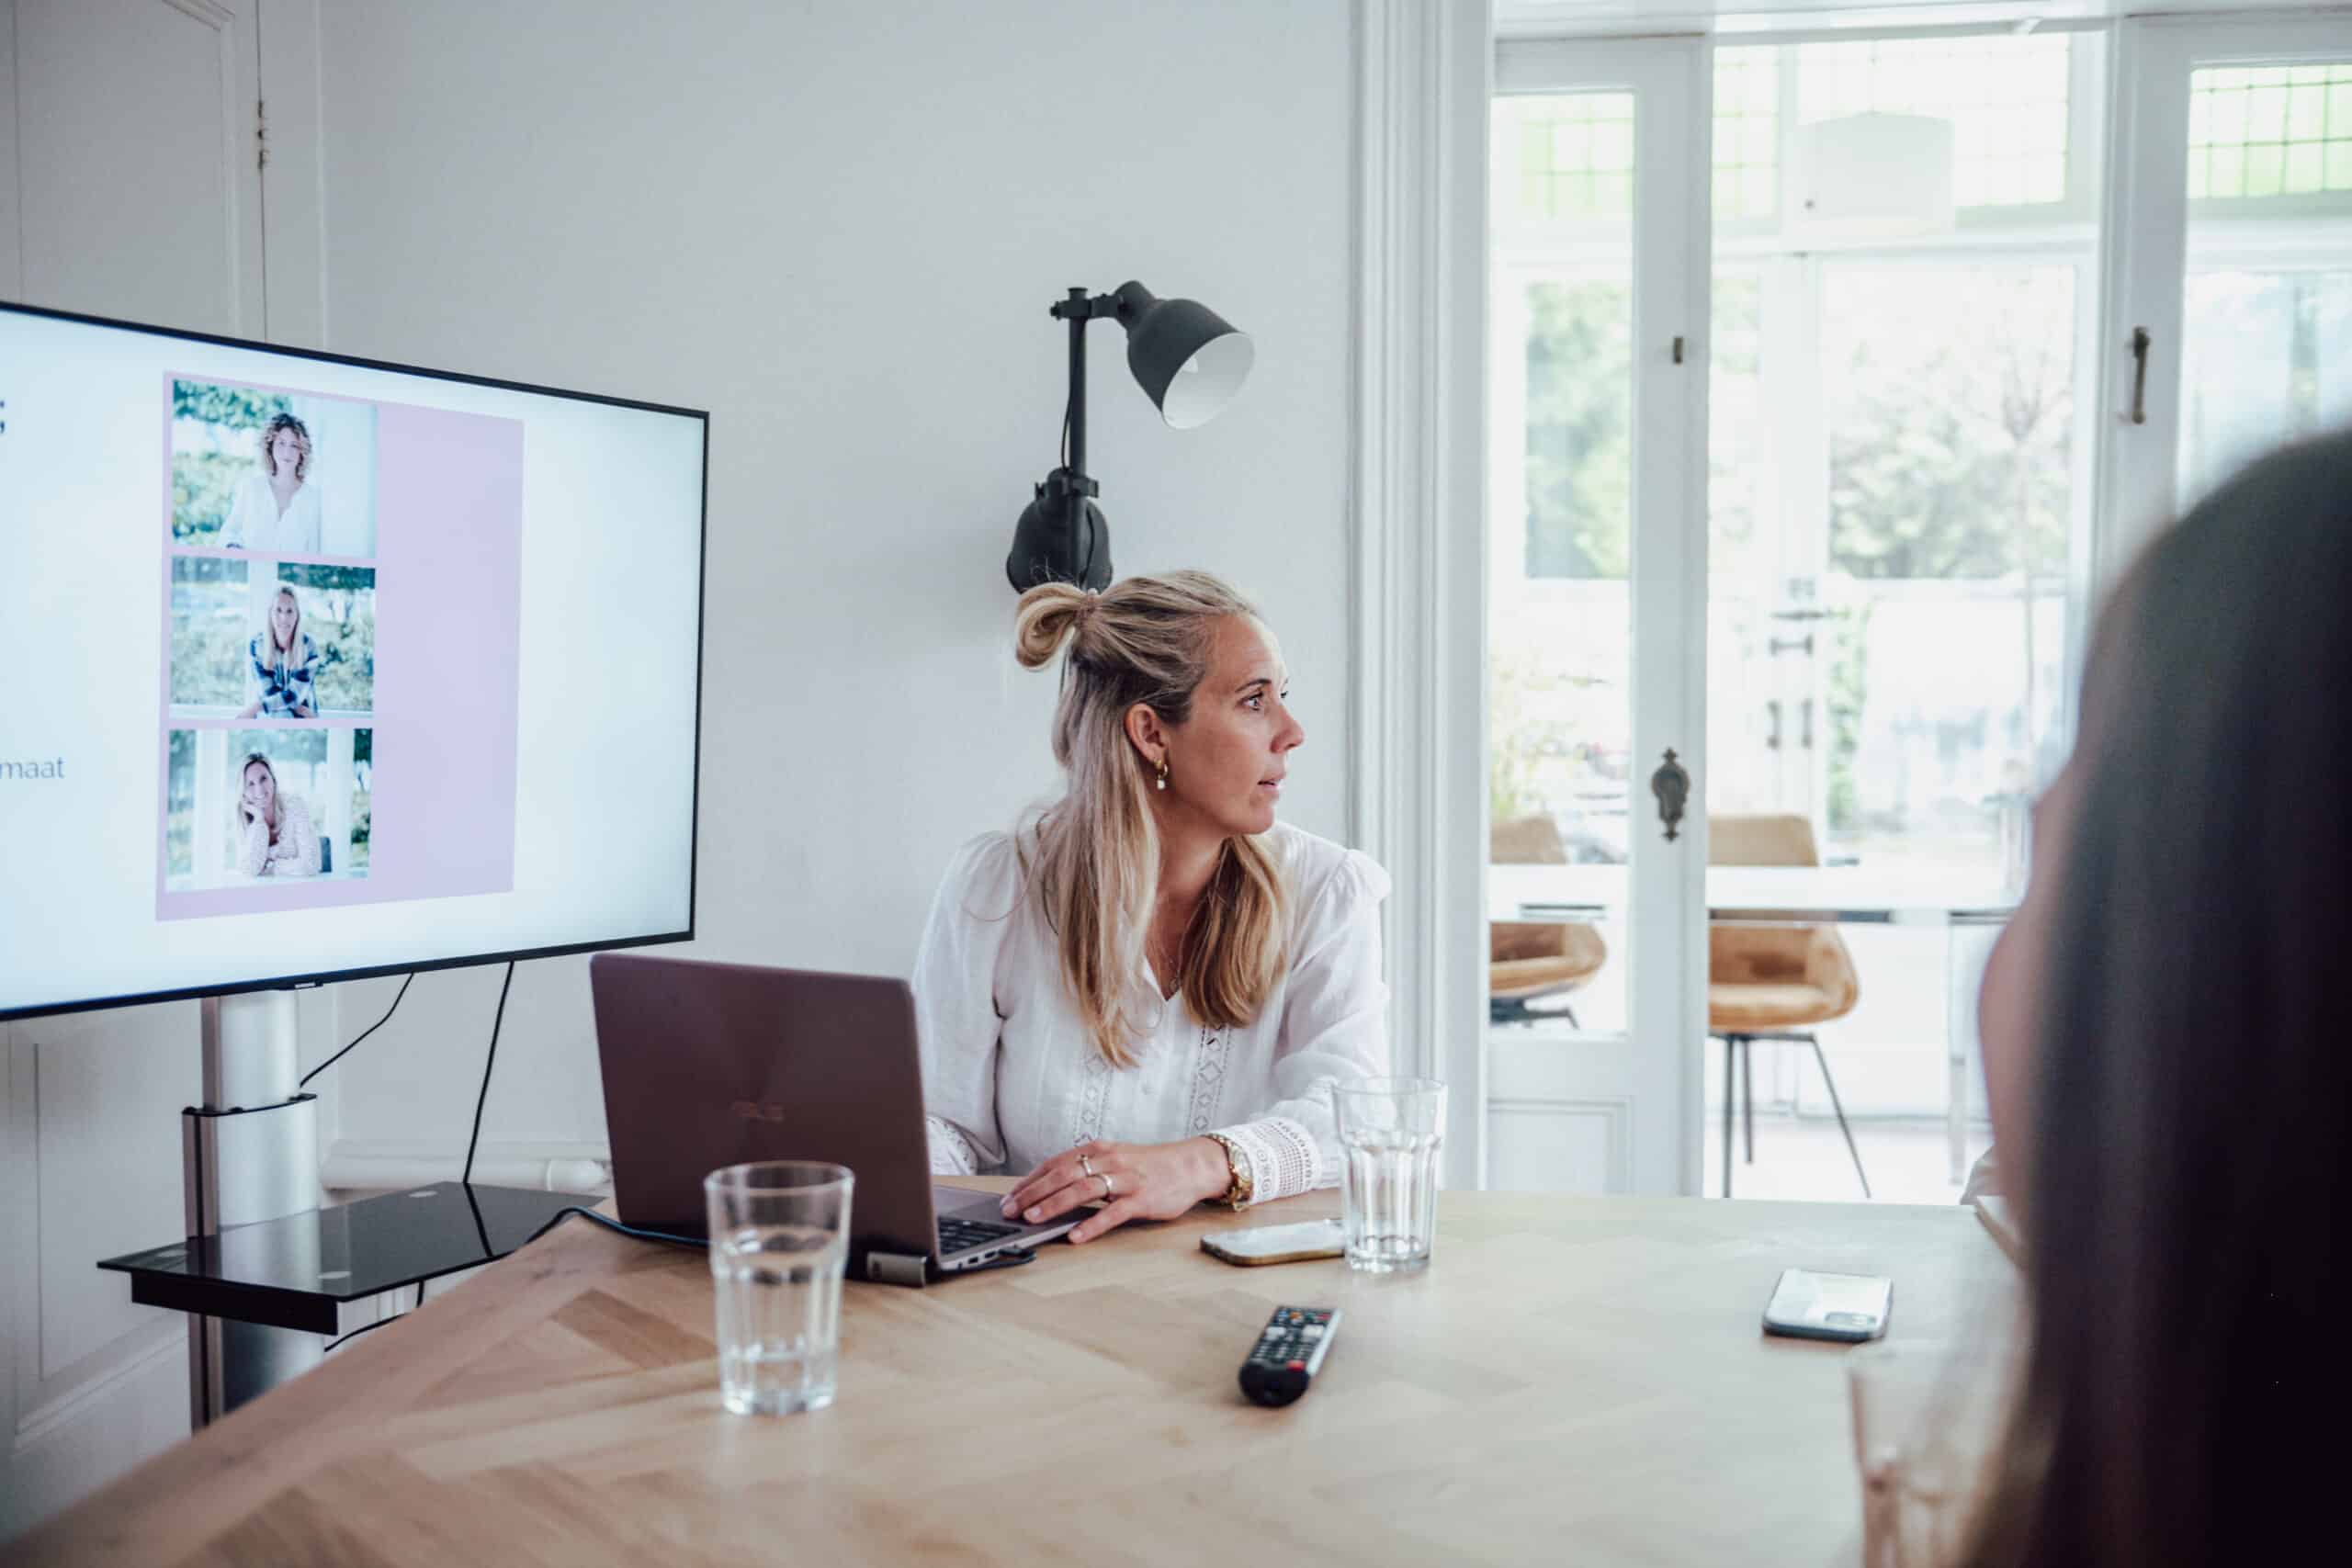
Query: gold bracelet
[1241,1184]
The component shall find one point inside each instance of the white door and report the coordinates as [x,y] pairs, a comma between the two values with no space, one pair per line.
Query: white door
[1596,591]
[128,187]
[136,166]
[2229,281]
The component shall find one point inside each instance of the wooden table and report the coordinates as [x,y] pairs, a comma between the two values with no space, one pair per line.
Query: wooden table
[1574,1379]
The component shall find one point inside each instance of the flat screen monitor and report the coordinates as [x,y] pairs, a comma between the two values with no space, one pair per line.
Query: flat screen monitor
[313,667]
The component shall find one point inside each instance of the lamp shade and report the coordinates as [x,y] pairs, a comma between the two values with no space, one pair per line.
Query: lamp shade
[1186,357]
[1874,177]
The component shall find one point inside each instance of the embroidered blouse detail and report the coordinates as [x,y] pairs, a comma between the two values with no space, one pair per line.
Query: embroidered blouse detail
[1011,1075]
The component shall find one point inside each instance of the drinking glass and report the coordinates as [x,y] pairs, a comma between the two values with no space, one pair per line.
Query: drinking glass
[779,1239]
[1390,1131]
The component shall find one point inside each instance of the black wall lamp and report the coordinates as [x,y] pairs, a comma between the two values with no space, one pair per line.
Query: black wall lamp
[1188,361]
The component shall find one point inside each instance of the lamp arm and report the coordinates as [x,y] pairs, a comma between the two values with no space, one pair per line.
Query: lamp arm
[1078,308]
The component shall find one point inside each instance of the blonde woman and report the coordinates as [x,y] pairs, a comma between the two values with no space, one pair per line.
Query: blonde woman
[1143,994]
[276,510]
[274,833]
[281,664]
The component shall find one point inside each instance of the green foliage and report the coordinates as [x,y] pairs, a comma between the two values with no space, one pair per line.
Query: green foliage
[1513,745]
[339,612]
[204,481]
[210,631]
[1848,633]
[236,408]
[1579,437]
[204,487]
[1948,455]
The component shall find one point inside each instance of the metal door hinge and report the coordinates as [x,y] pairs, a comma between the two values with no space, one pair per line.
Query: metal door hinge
[1678,350]
[260,134]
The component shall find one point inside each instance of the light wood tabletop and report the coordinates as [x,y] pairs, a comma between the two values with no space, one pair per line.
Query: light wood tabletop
[1574,1379]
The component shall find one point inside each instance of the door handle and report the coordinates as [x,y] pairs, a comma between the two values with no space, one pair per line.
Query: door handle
[2139,341]
[1671,784]
[1772,740]
[1804,732]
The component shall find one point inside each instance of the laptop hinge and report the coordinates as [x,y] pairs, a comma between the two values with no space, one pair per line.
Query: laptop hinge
[897,1267]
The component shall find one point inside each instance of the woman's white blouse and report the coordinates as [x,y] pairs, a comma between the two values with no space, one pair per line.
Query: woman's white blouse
[254,524]
[1011,1075]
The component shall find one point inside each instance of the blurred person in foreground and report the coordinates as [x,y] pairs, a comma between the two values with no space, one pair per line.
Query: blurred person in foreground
[2168,1048]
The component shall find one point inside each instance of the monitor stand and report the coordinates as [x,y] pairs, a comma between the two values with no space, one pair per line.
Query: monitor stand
[264,1273]
[249,1153]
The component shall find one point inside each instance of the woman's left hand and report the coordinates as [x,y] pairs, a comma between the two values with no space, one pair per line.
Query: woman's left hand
[1149,1182]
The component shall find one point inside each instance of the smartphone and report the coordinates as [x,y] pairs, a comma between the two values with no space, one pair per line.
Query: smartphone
[1277,1244]
[1806,1305]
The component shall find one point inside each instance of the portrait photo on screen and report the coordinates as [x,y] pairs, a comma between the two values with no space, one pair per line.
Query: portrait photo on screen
[254,807]
[262,639]
[271,471]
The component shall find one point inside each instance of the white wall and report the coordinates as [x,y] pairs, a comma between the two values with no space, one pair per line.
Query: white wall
[838,227]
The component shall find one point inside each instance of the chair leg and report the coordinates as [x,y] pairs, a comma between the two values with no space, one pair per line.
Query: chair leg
[1731,1049]
[1748,1100]
[1835,1104]
[1570,1014]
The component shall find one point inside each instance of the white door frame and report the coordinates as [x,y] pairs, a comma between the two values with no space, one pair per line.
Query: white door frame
[1425,89]
[1643,1086]
[1418,801]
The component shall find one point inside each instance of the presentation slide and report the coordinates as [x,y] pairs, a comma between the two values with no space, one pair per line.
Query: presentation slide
[422,656]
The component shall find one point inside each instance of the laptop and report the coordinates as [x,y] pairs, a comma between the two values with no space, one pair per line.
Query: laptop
[710,1065]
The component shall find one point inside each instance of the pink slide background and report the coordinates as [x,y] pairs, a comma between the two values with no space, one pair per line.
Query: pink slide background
[448,596]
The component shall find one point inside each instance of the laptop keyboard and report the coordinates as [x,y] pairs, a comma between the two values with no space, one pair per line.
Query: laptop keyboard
[955,1235]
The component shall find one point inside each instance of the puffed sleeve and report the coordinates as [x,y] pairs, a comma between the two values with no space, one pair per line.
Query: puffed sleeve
[1334,1026]
[957,1015]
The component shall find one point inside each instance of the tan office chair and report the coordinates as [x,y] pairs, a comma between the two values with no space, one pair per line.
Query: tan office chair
[1528,959]
[1769,982]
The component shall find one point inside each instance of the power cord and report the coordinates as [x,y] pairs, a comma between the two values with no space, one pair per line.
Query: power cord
[612,1224]
[371,1029]
[492,1061]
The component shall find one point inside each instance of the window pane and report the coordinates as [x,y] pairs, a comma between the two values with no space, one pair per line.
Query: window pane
[1560,151]
[2257,131]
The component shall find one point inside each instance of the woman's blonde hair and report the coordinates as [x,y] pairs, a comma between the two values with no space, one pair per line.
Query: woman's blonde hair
[282,653]
[1091,858]
[251,758]
[301,433]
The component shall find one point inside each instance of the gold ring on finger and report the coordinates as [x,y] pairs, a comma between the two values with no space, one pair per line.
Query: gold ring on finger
[1106,1179]
[1086,1164]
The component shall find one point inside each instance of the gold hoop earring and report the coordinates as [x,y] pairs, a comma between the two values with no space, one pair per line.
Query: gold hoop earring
[1162,783]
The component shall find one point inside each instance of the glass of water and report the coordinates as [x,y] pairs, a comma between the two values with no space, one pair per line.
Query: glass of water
[779,1239]
[1390,1131]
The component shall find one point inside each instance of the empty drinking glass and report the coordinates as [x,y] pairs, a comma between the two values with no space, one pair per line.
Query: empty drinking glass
[779,1239]
[1390,1132]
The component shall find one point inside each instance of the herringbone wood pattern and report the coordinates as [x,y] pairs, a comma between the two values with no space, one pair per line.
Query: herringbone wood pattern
[1575,1380]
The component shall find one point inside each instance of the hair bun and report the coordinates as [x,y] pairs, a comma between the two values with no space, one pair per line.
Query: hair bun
[1049,614]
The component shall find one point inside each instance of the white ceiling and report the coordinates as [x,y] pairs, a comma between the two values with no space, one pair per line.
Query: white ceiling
[1520,18]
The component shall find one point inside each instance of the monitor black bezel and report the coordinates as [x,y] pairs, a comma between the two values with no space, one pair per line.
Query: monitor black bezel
[702,601]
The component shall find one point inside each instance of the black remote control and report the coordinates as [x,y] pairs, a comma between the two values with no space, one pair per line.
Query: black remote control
[1288,1353]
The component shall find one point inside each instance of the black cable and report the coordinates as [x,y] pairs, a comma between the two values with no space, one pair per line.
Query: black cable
[612,1224]
[371,1029]
[363,1328]
[492,1061]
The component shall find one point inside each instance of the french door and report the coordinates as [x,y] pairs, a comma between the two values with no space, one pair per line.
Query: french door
[1596,597]
[2229,326]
